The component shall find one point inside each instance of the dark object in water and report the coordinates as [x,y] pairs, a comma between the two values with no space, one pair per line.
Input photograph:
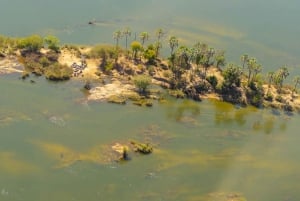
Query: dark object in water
[91,22]
[87,85]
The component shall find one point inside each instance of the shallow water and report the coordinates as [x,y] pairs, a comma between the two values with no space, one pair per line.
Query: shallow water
[53,147]
[53,144]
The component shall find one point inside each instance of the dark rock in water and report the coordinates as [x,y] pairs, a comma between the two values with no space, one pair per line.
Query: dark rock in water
[57,120]
[275,112]
[32,81]
[87,86]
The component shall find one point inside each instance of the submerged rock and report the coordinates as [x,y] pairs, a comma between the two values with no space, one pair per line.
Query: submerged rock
[57,121]
[223,196]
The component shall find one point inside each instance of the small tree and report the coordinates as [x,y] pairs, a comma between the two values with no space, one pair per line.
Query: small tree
[52,42]
[280,76]
[149,54]
[296,82]
[136,46]
[117,35]
[270,77]
[32,43]
[173,42]
[232,75]
[244,60]
[142,82]
[126,33]
[220,58]
[144,36]
[158,44]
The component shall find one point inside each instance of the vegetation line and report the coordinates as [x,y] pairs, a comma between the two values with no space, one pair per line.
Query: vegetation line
[193,72]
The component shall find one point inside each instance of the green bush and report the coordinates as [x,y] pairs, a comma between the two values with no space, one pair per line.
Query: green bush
[52,42]
[44,61]
[142,82]
[212,80]
[150,54]
[31,43]
[102,51]
[57,72]
[269,97]
[232,75]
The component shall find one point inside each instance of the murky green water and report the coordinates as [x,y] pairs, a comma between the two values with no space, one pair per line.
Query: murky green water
[52,144]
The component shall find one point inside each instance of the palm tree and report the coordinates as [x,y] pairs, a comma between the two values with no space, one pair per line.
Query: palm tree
[159,34]
[126,33]
[117,35]
[251,65]
[296,82]
[199,50]
[257,69]
[281,75]
[220,58]
[144,36]
[270,76]
[173,42]
[244,59]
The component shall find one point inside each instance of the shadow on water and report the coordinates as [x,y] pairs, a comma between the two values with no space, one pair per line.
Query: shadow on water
[183,111]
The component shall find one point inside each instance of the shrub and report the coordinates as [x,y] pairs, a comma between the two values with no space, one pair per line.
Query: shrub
[102,51]
[142,82]
[44,61]
[57,71]
[232,76]
[212,80]
[150,54]
[279,99]
[31,43]
[52,42]
[269,97]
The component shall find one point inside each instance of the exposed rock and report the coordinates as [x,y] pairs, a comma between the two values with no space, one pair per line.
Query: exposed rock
[141,147]
[121,150]
[116,88]
[117,99]
[143,102]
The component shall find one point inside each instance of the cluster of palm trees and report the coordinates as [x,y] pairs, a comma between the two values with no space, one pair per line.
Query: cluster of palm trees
[200,57]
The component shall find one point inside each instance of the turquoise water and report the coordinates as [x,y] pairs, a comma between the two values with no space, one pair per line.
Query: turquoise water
[54,144]
[265,29]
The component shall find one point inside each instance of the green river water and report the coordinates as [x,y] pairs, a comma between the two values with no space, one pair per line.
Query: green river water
[52,142]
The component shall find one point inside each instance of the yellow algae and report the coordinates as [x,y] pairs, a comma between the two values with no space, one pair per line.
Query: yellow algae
[188,38]
[12,165]
[100,154]
[196,157]
[210,27]
[268,50]
[64,155]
